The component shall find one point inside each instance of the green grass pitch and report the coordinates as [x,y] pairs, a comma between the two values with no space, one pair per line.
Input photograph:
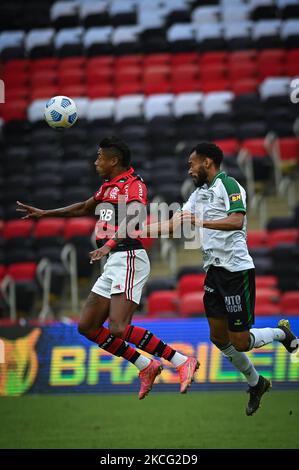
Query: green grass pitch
[162,420]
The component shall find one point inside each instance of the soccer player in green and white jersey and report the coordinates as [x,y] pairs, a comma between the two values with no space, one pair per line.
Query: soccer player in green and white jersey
[230,281]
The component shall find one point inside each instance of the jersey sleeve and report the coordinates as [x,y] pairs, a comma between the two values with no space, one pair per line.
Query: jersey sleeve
[137,192]
[98,195]
[189,205]
[232,196]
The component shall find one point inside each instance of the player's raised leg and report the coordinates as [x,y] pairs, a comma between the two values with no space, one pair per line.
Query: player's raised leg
[94,314]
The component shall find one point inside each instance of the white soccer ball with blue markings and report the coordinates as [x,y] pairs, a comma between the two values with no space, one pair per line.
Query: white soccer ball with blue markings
[61,112]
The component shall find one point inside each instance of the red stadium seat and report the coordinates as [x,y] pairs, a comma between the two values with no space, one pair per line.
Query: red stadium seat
[155,73]
[185,72]
[72,63]
[22,271]
[14,111]
[238,57]
[271,69]
[242,70]
[267,294]
[244,86]
[278,237]
[71,76]
[128,88]
[44,91]
[257,238]
[162,301]
[184,58]
[255,146]
[289,149]
[18,228]
[190,283]
[20,77]
[161,86]
[98,62]
[130,60]
[127,74]
[191,304]
[3,272]
[99,90]
[271,55]
[49,227]
[213,71]
[99,75]
[72,90]
[47,63]
[16,66]
[266,281]
[228,146]
[17,93]
[215,85]
[292,62]
[209,58]
[266,308]
[44,77]
[187,85]
[157,59]
[78,226]
[289,303]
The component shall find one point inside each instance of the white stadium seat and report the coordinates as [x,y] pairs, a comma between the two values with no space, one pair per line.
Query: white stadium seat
[39,38]
[217,102]
[35,111]
[102,108]
[97,35]
[11,39]
[265,28]
[63,8]
[125,34]
[237,30]
[82,106]
[67,36]
[187,104]
[274,86]
[181,31]
[206,14]
[158,105]
[130,106]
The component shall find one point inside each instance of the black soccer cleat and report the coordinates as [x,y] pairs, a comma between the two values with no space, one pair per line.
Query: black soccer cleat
[256,394]
[291,343]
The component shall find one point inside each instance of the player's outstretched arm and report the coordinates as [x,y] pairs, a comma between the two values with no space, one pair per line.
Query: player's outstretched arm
[75,210]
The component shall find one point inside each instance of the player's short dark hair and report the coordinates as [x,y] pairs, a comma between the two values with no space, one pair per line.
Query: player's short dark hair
[119,148]
[208,149]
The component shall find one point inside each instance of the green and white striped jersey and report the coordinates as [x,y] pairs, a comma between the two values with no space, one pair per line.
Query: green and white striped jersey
[226,249]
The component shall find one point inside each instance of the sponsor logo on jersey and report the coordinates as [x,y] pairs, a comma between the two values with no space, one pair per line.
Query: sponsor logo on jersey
[114,192]
[233,303]
[235,197]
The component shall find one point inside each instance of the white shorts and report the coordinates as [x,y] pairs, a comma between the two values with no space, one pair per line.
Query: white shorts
[124,271]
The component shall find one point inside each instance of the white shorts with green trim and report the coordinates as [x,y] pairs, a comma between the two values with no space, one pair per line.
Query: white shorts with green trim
[124,271]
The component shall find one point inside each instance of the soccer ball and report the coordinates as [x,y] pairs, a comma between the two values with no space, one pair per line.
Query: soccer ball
[61,112]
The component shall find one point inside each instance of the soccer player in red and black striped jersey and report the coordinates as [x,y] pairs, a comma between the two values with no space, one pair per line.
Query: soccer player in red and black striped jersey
[120,201]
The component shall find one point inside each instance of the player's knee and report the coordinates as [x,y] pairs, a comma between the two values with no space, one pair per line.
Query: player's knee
[83,328]
[218,341]
[117,329]
[240,344]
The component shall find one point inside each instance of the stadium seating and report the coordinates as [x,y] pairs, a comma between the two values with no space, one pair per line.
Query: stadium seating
[186,70]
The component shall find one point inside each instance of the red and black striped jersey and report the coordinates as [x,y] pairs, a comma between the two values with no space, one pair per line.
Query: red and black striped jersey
[112,198]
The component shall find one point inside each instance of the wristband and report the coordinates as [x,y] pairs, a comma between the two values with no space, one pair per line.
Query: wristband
[111,243]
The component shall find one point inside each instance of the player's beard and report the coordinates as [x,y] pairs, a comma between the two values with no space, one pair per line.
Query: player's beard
[200,179]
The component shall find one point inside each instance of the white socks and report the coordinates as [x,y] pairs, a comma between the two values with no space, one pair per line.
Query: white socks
[262,336]
[242,363]
[142,362]
[178,359]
